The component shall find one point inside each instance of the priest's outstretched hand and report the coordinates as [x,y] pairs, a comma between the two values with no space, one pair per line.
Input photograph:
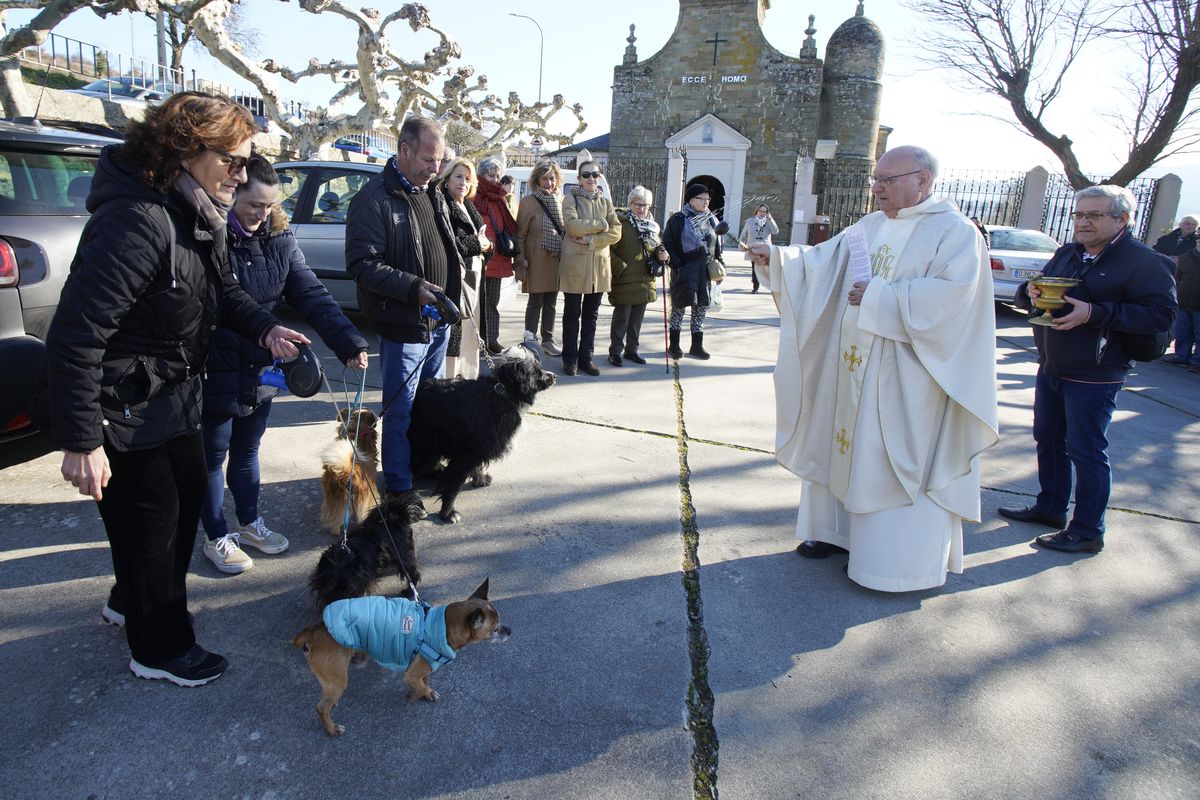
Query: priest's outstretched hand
[760,253]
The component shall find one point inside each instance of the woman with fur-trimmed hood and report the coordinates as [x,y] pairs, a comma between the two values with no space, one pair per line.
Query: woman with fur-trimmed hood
[270,267]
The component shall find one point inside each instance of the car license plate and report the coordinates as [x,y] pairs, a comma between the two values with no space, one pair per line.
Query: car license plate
[1026,273]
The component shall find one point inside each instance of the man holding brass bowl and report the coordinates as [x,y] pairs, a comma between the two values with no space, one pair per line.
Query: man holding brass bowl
[1097,297]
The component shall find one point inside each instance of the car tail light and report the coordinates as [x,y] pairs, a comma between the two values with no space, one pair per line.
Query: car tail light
[997,265]
[16,423]
[9,274]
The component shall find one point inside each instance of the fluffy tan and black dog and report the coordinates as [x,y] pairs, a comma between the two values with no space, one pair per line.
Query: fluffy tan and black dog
[400,634]
[350,464]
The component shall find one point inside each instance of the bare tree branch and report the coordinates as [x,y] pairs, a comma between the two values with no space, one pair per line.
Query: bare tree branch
[1022,51]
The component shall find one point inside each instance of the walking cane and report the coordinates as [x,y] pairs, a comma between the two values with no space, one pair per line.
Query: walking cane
[666,341]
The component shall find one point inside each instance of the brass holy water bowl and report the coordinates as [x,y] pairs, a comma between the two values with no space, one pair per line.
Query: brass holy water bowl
[1052,290]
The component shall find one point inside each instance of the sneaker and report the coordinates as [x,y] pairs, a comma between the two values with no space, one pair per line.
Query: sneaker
[227,555]
[551,347]
[258,535]
[196,667]
[528,337]
[114,610]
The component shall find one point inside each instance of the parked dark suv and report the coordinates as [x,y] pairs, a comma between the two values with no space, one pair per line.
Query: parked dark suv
[45,175]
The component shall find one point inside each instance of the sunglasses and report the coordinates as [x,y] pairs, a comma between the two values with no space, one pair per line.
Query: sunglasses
[587,175]
[234,164]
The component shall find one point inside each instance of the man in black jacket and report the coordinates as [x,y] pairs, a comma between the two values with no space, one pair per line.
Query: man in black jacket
[399,250]
[1125,289]
[1180,240]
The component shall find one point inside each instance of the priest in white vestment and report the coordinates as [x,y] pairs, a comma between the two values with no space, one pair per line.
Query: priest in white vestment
[885,386]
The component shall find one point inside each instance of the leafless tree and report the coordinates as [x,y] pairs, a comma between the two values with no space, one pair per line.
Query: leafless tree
[180,34]
[1023,50]
[388,86]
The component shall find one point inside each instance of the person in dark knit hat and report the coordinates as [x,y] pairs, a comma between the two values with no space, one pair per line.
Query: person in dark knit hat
[691,239]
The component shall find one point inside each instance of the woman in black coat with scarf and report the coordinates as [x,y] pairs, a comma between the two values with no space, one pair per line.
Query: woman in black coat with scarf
[691,239]
[149,284]
[270,267]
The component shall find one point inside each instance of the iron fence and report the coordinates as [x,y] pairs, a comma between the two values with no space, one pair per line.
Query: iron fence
[843,192]
[994,198]
[625,173]
[1060,202]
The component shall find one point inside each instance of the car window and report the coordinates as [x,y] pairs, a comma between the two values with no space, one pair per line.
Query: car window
[1028,241]
[291,181]
[45,183]
[334,193]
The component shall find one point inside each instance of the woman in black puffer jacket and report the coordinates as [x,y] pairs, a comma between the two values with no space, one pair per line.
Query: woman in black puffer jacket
[270,267]
[149,284]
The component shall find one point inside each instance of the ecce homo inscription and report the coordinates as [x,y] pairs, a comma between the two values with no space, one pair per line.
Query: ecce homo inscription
[686,79]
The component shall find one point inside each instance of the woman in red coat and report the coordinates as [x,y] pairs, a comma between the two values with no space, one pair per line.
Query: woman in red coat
[491,204]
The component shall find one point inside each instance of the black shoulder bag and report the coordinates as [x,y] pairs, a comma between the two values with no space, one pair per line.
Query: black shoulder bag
[506,243]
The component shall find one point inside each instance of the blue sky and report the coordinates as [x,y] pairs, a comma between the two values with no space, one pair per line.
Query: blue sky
[584,40]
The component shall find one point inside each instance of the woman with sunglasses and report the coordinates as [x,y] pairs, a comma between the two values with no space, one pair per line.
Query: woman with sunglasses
[584,273]
[150,283]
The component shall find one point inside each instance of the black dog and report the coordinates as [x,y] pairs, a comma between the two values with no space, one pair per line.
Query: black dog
[372,550]
[469,424]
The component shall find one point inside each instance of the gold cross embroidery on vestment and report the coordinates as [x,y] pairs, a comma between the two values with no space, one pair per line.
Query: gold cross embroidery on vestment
[842,442]
[852,358]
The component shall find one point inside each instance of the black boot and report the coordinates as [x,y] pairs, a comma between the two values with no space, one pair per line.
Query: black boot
[698,346]
[674,351]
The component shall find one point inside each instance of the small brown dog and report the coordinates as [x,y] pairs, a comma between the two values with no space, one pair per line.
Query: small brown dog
[399,634]
[350,464]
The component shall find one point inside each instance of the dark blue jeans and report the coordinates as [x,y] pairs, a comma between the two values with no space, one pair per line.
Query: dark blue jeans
[1070,426]
[1187,332]
[238,437]
[398,361]
[580,312]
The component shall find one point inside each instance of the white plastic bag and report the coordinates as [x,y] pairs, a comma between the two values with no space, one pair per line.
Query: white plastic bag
[715,303]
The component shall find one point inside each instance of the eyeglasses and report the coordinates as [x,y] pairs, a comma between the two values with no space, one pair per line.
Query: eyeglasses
[234,164]
[1091,216]
[887,180]
[589,175]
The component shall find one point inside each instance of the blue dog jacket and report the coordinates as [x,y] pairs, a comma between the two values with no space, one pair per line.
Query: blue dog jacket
[391,630]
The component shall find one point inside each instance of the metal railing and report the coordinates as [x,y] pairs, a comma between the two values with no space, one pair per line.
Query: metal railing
[992,197]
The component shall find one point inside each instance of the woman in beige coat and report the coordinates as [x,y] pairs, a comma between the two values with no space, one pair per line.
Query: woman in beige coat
[540,230]
[584,274]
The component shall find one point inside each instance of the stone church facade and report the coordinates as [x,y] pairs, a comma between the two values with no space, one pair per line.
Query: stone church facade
[747,120]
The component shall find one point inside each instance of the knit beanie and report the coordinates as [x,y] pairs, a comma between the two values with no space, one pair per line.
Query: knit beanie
[695,190]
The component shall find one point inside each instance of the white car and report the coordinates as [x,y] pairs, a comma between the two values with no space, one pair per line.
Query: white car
[1017,255]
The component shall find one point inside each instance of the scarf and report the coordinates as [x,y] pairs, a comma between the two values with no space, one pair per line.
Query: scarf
[214,212]
[551,238]
[697,229]
[647,229]
[235,226]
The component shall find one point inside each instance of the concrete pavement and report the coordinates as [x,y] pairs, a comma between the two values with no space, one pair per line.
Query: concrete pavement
[1032,675]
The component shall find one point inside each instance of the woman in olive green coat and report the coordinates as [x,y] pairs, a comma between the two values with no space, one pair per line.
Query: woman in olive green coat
[636,260]
[584,273]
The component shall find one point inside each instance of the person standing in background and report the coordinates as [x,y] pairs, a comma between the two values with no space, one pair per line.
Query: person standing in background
[540,230]
[758,230]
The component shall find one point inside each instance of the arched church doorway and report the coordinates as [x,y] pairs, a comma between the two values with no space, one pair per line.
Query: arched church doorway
[716,192]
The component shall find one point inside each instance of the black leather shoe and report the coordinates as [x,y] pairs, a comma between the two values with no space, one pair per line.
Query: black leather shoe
[589,368]
[1033,514]
[813,549]
[569,368]
[634,357]
[615,360]
[1069,542]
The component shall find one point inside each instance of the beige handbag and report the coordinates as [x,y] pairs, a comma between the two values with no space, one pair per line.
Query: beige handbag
[716,270]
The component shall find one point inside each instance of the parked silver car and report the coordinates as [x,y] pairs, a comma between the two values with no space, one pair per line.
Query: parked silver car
[1017,255]
[315,195]
[45,176]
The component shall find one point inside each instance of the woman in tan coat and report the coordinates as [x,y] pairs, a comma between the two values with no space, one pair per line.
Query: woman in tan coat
[584,274]
[540,230]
